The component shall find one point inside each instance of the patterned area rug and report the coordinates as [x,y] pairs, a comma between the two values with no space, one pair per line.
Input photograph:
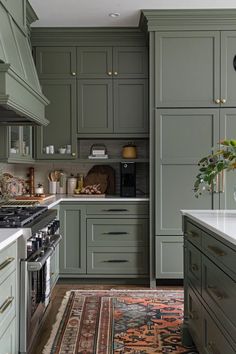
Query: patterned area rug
[118,322]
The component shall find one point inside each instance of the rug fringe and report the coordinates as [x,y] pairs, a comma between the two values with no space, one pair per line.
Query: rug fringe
[48,346]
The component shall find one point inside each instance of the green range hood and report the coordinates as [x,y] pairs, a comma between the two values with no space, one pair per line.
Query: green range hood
[21,98]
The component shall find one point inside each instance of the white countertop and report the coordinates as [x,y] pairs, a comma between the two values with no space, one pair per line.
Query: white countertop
[222,222]
[50,203]
[7,236]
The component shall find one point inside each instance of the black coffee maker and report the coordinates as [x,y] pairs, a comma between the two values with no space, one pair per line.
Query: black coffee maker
[128,179]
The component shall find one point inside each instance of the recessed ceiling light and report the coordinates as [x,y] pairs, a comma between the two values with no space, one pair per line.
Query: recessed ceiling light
[114,14]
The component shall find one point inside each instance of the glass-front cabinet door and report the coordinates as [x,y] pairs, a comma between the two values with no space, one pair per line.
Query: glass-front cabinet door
[20,143]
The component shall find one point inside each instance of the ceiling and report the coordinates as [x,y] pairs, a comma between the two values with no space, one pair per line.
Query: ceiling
[95,13]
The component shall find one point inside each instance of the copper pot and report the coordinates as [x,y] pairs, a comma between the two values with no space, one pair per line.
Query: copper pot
[129,152]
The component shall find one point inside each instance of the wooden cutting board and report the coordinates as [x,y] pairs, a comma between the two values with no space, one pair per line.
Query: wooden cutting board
[35,198]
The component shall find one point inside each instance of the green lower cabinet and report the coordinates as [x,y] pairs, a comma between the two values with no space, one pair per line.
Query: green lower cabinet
[194,269]
[194,317]
[54,264]
[117,260]
[8,339]
[169,257]
[73,243]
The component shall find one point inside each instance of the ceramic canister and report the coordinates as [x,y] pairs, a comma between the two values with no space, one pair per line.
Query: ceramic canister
[71,185]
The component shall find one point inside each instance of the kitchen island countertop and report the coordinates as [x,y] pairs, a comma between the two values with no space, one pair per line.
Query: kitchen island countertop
[222,222]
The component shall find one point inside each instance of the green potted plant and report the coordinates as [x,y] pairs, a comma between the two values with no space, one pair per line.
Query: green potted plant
[223,158]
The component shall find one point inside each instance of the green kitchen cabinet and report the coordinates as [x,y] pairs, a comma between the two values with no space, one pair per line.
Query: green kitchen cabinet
[16,144]
[73,243]
[182,137]
[61,113]
[195,68]
[95,106]
[17,9]
[56,62]
[112,62]
[169,257]
[112,106]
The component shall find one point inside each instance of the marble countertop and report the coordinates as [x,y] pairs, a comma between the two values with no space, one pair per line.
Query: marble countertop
[50,203]
[7,236]
[222,222]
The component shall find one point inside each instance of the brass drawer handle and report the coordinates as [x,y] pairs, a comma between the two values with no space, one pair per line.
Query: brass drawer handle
[116,261]
[115,210]
[6,304]
[115,233]
[194,267]
[6,262]
[217,250]
[192,234]
[219,295]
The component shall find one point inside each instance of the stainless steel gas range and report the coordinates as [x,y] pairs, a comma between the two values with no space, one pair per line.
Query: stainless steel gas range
[35,249]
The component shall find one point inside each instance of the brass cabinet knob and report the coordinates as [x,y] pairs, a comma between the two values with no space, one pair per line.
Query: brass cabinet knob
[217,101]
[109,73]
[73,154]
[115,73]
[73,73]
[223,100]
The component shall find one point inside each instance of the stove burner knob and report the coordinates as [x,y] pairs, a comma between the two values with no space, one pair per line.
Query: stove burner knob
[42,252]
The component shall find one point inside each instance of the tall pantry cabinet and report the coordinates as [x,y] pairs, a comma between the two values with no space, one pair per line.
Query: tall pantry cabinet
[192,107]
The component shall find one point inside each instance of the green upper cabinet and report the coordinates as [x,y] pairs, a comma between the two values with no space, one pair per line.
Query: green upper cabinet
[16,144]
[61,113]
[195,69]
[56,62]
[94,62]
[17,9]
[112,62]
[95,113]
[131,106]
[187,68]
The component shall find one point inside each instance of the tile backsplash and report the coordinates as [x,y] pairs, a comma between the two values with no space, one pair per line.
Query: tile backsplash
[42,170]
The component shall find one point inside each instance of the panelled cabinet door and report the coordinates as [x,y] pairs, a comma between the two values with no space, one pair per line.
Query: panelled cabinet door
[94,62]
[227,180]
[61,113]
[56,62]
[169,257]
[228,68]
[130,106]
[73,243]
[130,62]
[95,114]
[182,137]
[187,69]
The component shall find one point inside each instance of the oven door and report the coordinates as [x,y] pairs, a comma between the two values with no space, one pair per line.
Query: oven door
[35,296]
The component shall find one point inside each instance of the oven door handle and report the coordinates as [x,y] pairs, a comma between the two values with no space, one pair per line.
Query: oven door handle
[55,240]
[38,264]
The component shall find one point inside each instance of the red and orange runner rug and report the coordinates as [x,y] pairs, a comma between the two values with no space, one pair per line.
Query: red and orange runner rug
[118,322]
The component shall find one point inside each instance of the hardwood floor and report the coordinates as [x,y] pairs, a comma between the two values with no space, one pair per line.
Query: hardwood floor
[59,293]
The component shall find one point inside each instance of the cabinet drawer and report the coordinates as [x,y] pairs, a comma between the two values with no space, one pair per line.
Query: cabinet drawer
[194,313]
[7,301]
[193,234]
[122,260]
[219,292]
[8,339]
[218,250]
[214,341]
[117,232]
[194,266]
[117,209]
[7,261]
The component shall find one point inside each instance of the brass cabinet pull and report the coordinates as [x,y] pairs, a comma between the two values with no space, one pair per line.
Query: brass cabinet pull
[193,315]
[109,73]
[73,73]
[6,262]
[217,101]
[73,154]
[219,295]
[116,261]
[6,304]
[217,251]
[223,100]
[115,233]
[115,210]
[115,73]
[194,267]
[192,234]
